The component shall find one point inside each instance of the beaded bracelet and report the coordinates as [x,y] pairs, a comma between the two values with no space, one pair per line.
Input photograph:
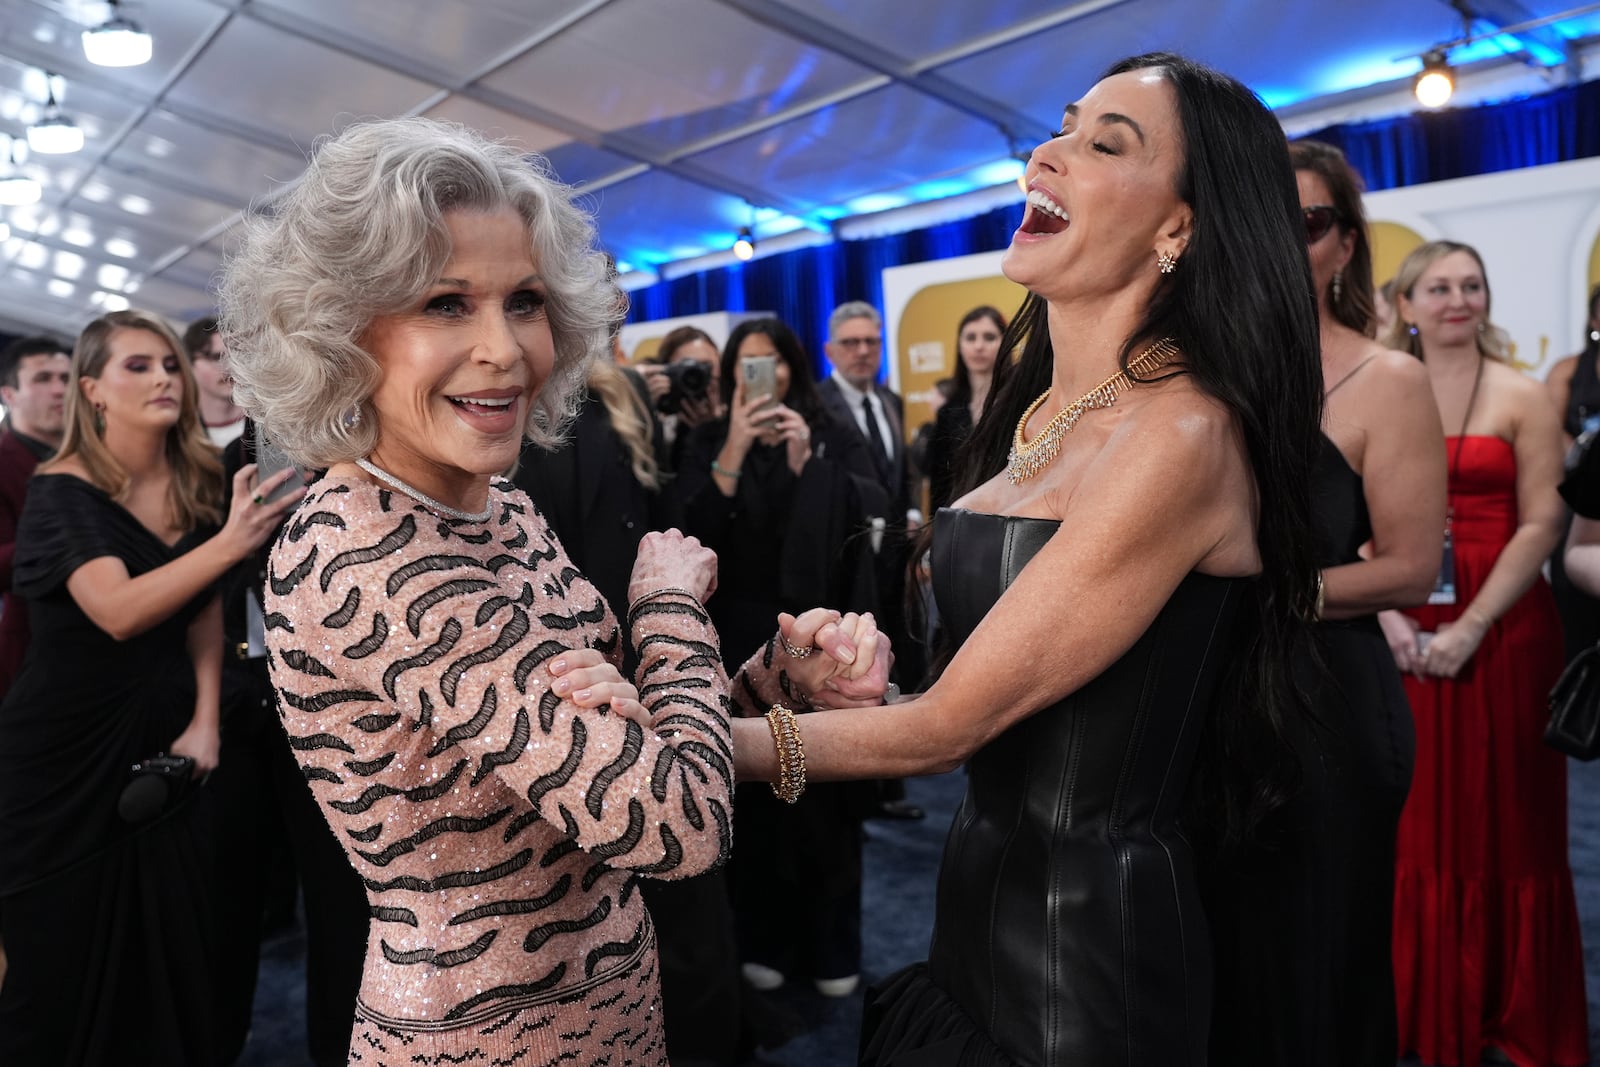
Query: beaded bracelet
[633,609]
[791,754]
[717,468]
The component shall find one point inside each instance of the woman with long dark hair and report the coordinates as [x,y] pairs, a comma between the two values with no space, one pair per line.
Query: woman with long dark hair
[768,488]
[1487,954]
[105,890]
[979,373]
[1301,914]
[1128,577]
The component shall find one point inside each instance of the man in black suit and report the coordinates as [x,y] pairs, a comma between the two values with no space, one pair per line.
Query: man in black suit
[853,397]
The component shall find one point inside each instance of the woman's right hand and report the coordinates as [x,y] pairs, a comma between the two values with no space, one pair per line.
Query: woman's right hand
[249,524]
[1400,631]
[745,426]
[669,560]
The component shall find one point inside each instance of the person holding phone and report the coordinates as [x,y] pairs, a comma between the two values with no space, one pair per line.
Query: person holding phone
[105,921]
[769,489]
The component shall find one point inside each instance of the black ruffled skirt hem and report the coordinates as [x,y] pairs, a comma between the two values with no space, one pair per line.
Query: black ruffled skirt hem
[909,1021]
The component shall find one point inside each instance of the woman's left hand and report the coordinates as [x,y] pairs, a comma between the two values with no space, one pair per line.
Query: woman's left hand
[201,742]
[589,680]
[790,427]
[1452,646]
[848,666]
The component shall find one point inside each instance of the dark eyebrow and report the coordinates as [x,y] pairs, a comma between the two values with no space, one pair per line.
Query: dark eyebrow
[1071,110]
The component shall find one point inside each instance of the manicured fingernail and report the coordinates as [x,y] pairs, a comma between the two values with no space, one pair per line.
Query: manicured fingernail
[581,695]
[847,652]
[560,686]
[558,667]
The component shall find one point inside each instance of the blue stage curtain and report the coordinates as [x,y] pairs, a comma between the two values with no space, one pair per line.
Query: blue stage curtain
[804,286]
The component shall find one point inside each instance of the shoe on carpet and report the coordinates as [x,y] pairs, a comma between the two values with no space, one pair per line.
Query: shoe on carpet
[761,977]
[838,987]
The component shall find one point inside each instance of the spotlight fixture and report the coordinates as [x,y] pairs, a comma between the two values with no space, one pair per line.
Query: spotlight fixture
[744,247]
[117,42]
[16,188]
[1437,82]
[54,134]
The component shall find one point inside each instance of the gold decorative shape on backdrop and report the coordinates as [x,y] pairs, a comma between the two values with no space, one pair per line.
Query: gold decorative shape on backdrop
[1392,242]
[925,337]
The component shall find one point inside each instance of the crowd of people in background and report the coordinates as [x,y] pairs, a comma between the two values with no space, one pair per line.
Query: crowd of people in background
[1393,879]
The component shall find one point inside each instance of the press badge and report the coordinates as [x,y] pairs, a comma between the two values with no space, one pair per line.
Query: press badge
[1444,587]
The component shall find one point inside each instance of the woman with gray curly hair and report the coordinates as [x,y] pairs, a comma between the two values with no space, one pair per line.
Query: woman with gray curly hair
[420,302]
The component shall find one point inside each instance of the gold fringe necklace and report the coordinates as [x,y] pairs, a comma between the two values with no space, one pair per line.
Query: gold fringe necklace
[1030,457]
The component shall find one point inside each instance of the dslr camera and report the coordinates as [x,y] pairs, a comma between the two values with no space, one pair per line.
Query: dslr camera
[690,378]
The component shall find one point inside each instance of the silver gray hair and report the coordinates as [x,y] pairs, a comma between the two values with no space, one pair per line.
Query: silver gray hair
[855,309]
[362,234]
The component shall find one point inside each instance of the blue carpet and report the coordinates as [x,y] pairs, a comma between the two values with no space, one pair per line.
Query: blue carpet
[897,916]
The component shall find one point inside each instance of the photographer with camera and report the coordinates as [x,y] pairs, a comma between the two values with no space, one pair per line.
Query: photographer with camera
[684,379]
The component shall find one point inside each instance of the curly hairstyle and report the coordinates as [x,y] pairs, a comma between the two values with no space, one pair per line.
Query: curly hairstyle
[362,234]
[1493,342]
[195,492]
[1354,306]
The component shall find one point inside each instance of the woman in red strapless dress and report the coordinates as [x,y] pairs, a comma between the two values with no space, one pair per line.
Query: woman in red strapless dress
[1487,951]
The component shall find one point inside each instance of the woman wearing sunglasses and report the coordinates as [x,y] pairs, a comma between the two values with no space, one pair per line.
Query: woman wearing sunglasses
[1301,914]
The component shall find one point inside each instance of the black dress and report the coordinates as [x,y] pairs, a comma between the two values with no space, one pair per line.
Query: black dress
[1580,612]
[1068,929]
[788,542]
[105,924]
[1301,916]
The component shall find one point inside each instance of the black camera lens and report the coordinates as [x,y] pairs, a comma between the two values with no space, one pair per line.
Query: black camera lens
[690,378]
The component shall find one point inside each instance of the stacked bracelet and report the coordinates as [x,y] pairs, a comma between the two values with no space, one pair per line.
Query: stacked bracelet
[633,609]
[791,754]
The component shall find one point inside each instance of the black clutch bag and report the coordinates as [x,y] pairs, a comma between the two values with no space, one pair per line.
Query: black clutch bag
[1574,726]
[155,786]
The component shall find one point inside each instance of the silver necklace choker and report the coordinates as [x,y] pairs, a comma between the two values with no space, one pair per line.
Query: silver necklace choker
[420,497]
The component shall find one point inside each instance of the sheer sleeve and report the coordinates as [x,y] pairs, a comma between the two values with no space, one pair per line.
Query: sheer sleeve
[396,634]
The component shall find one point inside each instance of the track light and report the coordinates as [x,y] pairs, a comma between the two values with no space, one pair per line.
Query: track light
[744,247]
[16,188]
[1436,82]
[117,42]
[54,134]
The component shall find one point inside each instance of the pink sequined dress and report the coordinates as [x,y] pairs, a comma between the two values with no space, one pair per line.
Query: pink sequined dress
[500,829]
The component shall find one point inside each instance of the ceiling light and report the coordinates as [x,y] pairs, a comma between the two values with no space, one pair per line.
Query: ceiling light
[745,246]
[17,189]
[117,42]
[54,134]
[1436,82]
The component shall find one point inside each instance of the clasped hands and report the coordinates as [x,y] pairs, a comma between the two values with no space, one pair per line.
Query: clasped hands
[834,660]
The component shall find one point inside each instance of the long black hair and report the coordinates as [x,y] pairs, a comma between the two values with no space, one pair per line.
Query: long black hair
[961,390]
[1242,308]
[802,395]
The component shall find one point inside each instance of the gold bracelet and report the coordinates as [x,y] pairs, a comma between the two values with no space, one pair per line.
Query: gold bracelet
[791,754]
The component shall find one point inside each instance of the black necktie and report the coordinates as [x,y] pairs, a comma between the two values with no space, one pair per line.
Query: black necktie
[878,438]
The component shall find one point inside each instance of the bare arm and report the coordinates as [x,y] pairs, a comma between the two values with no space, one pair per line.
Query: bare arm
[1558,383]
[1403,479]
[1583,555]
[1080,603]
[1540,514]
[126,607]
[201,740]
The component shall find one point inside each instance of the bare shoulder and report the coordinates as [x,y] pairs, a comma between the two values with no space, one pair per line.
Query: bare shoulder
[1512,384]
[1393,368]
[1182,418]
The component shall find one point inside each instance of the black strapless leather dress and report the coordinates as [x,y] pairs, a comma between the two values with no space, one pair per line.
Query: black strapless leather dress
[1068,928]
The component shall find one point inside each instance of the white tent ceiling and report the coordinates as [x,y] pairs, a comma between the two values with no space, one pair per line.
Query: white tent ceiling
[684,119]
